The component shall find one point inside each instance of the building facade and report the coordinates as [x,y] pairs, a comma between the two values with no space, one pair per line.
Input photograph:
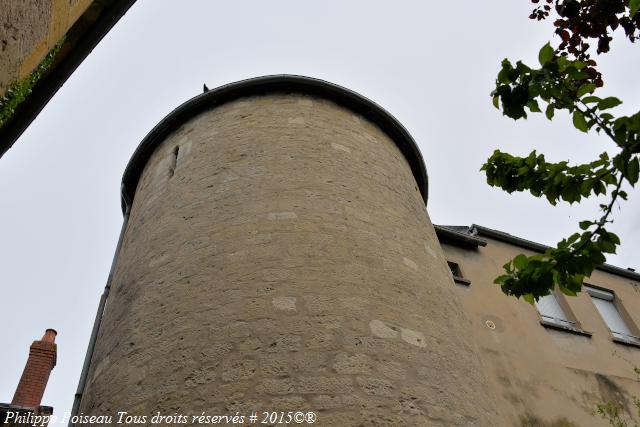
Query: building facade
[276,255]
[550,364]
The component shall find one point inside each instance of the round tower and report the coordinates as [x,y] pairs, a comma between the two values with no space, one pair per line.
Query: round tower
[277,256]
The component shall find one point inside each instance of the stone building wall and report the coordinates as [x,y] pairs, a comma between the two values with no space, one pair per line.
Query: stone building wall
[29,30]
[278,256]
[42,42]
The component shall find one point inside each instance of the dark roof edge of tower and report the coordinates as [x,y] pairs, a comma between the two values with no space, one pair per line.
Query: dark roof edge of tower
[273,84]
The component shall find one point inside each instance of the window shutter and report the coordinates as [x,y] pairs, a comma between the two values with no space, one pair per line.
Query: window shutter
[603,300]
[600,293]
[552,311]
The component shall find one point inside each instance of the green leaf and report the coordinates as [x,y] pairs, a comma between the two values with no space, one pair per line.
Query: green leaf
[576,74]
[500,279]
[606,246]
[505,71]
[632,171]
[613,238]
[590,99]
[496,101]
[585,89]
[529,298]
[609,102]
[585,188]
[620,163]
[579,64]
[634,6]
[533,106]
[579,122]
[549,112]
[570,193]
[520,262]
[563,63]
[546,54]
[585,224]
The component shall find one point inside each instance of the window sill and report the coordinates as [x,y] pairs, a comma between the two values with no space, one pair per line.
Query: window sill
[461,280]
[562,328]
[625,342]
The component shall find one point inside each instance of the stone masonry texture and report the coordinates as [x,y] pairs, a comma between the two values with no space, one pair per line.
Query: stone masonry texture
[279,257]
[29,30]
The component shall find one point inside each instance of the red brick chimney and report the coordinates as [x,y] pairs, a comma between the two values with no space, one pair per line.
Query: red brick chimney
[42,359]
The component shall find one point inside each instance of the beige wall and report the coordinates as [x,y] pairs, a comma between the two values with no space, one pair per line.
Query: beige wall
[540,372]
[29,29]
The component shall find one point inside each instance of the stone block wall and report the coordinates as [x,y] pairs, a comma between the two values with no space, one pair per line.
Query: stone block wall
[29,30]
[279,256]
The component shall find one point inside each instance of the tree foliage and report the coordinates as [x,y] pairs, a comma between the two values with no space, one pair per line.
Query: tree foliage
[567,79]
[581,20]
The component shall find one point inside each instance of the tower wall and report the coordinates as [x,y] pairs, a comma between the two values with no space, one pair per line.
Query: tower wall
[278,256]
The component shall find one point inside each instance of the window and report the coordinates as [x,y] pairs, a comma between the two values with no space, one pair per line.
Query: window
[605,303]
[552,312]
[456,272]
[455,269]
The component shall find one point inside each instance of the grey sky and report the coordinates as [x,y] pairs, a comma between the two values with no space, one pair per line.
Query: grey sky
[431,64]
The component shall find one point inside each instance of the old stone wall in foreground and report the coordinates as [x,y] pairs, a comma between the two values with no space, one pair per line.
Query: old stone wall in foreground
[29,30]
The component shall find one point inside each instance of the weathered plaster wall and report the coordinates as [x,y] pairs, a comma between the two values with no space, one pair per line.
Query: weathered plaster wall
[29,30]
[279,257]
[541,374]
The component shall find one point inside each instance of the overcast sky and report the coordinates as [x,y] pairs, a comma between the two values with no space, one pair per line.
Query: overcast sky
[430,64]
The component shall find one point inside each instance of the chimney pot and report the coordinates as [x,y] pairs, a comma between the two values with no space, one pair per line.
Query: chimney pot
[49,335]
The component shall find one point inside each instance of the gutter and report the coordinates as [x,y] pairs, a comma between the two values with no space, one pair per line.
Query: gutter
[96,323]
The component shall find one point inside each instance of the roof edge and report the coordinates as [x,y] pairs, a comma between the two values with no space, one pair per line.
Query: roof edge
[538,247]
[274,84]
[466,239]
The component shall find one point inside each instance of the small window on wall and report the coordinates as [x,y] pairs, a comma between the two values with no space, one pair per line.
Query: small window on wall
[605,302]
[552,312]
[456,272]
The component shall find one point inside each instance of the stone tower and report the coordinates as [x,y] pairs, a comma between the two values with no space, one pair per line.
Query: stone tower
[277,255]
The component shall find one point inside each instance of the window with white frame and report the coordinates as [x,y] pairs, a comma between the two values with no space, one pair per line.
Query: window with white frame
[552,312]
[605,304]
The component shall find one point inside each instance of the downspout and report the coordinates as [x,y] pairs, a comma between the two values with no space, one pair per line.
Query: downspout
[98,320]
